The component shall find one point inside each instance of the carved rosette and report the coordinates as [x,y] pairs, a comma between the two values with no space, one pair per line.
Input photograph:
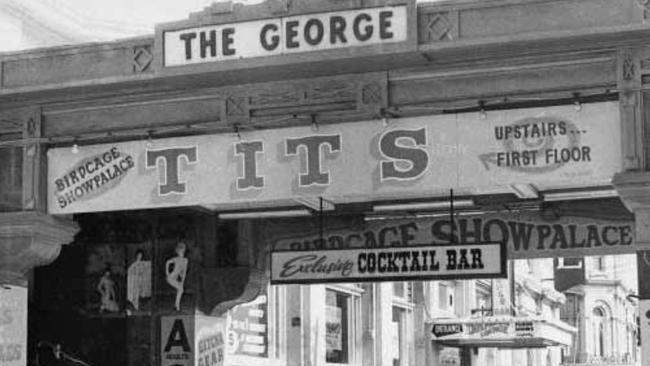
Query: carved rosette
[30,239]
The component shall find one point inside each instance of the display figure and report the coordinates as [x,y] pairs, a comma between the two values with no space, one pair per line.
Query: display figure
[176,270]
[138,282]
[106,288]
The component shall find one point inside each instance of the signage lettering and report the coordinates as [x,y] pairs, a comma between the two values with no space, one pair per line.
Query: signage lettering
[171,182]
[441,330]
[526,235]
[478,260]
[177,337]
[302,33]
[249,151]
[92,176]
[312,148]
[417,159]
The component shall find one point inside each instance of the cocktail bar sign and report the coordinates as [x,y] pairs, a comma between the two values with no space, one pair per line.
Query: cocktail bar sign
[346,162]
[480,260]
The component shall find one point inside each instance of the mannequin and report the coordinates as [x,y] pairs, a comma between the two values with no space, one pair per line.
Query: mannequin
[176,270]
[106,288]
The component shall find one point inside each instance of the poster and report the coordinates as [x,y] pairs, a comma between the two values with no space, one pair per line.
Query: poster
[138,279]
[177,341]
[247,329]
[333,328]
[13,326]
[210,344]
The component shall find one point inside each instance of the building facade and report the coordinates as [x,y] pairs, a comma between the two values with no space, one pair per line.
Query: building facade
[165,178]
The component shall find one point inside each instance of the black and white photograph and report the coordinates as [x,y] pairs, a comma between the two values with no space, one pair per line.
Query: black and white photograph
[325,183]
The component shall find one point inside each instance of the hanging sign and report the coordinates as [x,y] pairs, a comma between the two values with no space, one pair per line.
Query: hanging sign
[350,162]
[526,235]
[13,326]
[482,260]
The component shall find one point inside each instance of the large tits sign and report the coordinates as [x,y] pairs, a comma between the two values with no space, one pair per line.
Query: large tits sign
[349,162]
[481,260]
[386,23]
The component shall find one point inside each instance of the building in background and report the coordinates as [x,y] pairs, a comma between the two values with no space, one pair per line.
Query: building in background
[603,308]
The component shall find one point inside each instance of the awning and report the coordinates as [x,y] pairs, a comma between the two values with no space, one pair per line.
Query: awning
[502,332]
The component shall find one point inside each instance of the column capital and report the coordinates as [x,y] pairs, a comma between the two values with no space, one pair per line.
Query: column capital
[634,190]
[29,239]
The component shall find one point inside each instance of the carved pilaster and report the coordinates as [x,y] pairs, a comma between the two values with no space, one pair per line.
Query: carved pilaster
[30,239]
[631,107]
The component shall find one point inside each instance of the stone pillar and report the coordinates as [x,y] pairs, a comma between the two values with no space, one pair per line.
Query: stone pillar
[30,239]
[27,239]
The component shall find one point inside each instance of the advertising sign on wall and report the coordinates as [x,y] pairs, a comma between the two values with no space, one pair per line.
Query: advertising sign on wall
[526,234]
[483,260]
[13,326]
[351,162]
[247,329]
[177,341]
[210,343]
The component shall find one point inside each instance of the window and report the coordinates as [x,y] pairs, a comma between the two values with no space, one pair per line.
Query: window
[600,330]
[445,296]
[337,337]
[600,263]
[398,335]
[573,262]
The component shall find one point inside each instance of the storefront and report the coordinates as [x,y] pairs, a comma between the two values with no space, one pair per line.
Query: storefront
[177,166]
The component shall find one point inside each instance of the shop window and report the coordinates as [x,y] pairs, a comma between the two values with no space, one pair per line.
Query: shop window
[337,327]
[445,296]
[403,291]
[570,263]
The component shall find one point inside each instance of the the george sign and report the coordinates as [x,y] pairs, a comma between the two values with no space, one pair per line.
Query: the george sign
[526,234]
[13,326]
[352,162]
[483,260]
[285,35]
